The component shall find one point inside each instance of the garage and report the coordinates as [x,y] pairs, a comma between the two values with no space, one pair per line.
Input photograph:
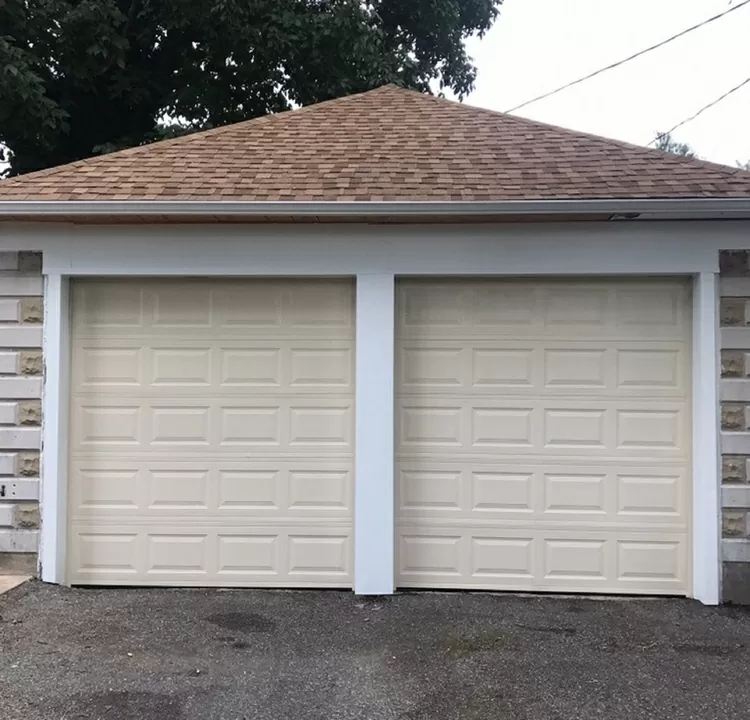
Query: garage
[543,435]
[416,354]
[211,432]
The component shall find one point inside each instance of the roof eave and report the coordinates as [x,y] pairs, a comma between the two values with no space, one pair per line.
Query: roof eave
[628,208]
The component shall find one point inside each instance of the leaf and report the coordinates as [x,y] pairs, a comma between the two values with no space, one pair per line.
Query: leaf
[103,73]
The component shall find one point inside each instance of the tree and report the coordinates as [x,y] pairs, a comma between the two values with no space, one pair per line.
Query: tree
[744,166]
[79,77]
[665,142]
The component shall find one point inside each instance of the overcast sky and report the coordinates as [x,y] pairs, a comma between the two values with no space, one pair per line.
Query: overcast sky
[537,45]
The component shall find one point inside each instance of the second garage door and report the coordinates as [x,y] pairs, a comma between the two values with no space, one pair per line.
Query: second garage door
[542,435]
[211,433]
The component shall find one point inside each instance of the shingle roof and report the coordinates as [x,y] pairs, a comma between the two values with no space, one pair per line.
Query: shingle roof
[386,144]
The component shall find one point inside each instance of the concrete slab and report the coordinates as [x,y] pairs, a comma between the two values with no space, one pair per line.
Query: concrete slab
[8,582]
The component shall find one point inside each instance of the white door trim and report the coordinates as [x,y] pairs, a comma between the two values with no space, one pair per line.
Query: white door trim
[706,535]
[375,265]
[55,400]
[374,531]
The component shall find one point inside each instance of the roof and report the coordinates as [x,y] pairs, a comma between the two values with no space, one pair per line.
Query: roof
[387,144]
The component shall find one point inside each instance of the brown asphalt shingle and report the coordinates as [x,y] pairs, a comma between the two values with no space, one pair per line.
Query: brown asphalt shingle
[386,144]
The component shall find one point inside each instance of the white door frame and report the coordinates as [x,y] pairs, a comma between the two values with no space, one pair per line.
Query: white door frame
[376,257]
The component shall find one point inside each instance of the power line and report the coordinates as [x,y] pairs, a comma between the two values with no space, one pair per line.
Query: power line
[701,111]
[629,58]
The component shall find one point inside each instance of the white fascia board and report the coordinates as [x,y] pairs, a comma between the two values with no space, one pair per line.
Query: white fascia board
[735,208]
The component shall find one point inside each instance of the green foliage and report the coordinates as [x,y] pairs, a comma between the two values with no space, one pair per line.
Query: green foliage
[665,142]
[79,77]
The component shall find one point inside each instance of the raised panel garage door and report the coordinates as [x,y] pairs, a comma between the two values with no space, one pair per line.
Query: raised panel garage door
[211,435]
[542,435]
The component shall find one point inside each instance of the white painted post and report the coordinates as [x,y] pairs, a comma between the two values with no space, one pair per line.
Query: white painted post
[706,426]
[54,500]
[373,495]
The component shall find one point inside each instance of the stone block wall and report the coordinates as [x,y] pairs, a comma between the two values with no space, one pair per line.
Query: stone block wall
[21,369]
[735,424]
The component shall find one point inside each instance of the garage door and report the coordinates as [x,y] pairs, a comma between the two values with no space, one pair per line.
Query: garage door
[211,433]
[542,435]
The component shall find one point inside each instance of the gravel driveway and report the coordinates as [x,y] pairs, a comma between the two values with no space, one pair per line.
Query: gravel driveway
[210,655]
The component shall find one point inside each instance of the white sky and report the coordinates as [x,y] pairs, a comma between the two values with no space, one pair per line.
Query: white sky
[537,45]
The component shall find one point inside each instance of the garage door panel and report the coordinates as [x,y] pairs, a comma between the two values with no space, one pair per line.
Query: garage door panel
[270,490]
[649,307]
[98,367]
[542,433]
[524,559]
[559,369]
[118,424]
[292,309]
[303,556]
[596,428]
[622,494]
[231,369]
[211,422]
[200,425]
[99,306]
[656,310]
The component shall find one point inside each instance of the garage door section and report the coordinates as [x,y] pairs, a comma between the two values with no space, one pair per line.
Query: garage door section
[542,435]
[211,433]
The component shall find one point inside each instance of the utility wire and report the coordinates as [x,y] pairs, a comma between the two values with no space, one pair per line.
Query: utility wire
[629,58]
[701,111]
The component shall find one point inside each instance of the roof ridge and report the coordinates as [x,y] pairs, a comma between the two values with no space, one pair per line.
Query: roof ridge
[190,137]
[521,120]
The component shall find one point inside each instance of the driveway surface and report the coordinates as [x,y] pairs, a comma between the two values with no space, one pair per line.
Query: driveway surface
[209,655]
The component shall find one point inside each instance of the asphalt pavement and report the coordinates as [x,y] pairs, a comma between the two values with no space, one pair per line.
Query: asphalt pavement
[143,654]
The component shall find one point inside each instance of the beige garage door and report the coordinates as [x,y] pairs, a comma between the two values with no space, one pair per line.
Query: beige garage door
[542,435]
[211,433]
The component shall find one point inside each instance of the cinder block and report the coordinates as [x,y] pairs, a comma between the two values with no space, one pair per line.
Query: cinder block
[27,516]
[736,550]
[27,464]
[733,312]
[31,362]
[733,469]
[10,310]
[21,285]
[736,583]
[20,488]
[21,336]
[733,524]
[30,261]
[8,464]
[735,443]
[20,388]
[735,496]
[735,390]
[20,541]
[8,261]
[32,310]
[735,338]
[29,412]
[7,514]
[735,286]
[20,438]
[8,413]
[10,363]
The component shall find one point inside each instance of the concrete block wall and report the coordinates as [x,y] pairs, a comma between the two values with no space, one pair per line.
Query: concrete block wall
[735,424]
[21,370]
